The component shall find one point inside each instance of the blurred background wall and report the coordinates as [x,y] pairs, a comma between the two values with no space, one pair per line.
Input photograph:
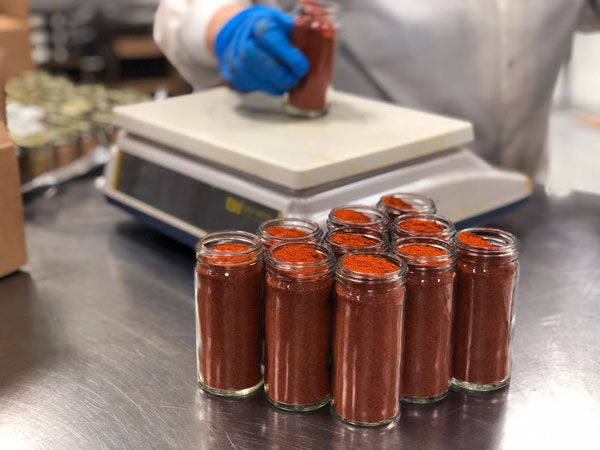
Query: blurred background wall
[574,141]
[107,41]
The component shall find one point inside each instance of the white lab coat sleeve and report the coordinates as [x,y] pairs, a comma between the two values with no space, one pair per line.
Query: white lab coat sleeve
[590,17]
[180,32]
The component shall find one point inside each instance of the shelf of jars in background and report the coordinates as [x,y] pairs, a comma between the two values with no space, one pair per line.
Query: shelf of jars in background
[61,130]
[45,161]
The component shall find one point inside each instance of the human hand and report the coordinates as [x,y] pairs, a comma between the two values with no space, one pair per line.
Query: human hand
[255,52]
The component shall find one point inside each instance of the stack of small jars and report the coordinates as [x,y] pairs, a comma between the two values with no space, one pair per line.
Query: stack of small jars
[389,305]
[53,121]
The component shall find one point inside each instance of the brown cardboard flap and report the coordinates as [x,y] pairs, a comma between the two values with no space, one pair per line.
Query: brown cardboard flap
[2,93]
[14,40]
[16,8]
[12,227]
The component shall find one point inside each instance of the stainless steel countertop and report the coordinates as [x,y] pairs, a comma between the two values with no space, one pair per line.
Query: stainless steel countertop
[97,345]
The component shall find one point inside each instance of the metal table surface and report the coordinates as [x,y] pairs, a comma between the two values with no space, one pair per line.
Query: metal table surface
[97,345]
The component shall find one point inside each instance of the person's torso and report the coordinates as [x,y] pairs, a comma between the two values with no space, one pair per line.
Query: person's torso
[493,62]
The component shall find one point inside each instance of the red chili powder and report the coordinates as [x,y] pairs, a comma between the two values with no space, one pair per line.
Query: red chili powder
[231,258]
[350,215]
[395,202]
[421,226]
[473,240]
[298,253]
[231,247]
[285,232]
[351,239]
[421,250]
[369,264]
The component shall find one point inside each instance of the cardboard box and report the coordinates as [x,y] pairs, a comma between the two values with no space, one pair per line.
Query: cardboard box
[15,8]
[2,93]
[12,227]
[14,39]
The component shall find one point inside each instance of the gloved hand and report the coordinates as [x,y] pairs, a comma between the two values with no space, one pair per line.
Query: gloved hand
[255,53]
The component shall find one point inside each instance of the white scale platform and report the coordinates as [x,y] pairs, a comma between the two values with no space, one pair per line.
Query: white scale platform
[239,165]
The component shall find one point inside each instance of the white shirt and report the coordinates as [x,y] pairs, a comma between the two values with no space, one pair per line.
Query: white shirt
[493,62]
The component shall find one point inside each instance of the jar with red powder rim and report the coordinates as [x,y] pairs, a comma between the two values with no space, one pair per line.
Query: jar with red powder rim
[228,280]
[404,203]
[354,240]
[487,275]
[287,229]
[428,318]
[298,288]
[367,342]
[357,216]
[314,33]
[425,225]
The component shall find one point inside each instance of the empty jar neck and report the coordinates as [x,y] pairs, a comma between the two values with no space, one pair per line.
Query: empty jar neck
[418,204]
[323,11]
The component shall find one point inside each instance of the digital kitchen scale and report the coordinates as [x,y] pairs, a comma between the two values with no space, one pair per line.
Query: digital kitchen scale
[205,162]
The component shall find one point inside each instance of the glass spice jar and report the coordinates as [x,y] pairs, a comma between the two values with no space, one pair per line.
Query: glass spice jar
[298,287]
[65,146]
[423,224]
[36,155]
[276,231]
[353,240]
[103,122]
[89,137]
[428,318]
[367,342]
[314,33]
[404,203]
[487,274]
[229,276]
[357,216]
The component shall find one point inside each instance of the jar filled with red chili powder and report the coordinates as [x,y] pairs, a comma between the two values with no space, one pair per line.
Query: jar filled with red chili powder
[277,231]
[487,274]
[428,318]
[298,289]
[367,342]
[425,225]
[403,203]
[357,216]
[314,33]
[352,240]
[229,275]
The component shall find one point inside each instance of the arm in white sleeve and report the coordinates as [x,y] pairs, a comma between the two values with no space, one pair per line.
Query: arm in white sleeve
[590,17]
[180,31]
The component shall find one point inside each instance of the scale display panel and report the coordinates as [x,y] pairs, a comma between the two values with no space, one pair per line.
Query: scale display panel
[175,194]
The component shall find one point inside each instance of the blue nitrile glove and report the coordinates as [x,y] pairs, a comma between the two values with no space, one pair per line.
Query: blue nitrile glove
[255,53]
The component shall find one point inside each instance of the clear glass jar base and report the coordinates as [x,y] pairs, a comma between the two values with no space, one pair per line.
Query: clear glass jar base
[237,393]
[423,400]
[389,421]
[304,113]
[479,387]
[298,408]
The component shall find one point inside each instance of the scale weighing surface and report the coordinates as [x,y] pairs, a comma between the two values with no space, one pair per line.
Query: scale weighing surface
[205,162]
